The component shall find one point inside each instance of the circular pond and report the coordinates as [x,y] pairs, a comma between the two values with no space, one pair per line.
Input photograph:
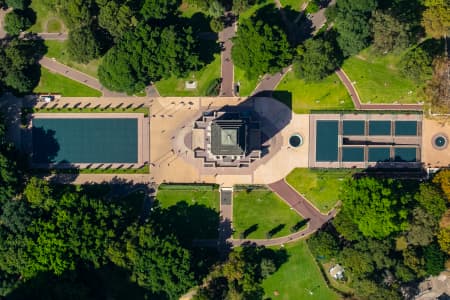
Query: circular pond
[440,141]
[295,140]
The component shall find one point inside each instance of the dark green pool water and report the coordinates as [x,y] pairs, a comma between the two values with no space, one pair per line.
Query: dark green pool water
[379,154]
[327,141]
[355,154]
[85,140]
[353,127]
[408,128]
[379,127]
[405,154]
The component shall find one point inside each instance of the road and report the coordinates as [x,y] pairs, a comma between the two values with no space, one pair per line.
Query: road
[76,75]
[227,68]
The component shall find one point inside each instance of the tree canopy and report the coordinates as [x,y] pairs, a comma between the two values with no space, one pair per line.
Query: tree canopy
[19,69]
[82,45]
[376,206]
[436,18]
[269,51]
[16,21]
[148,54]
[389,34]
[316,59]
[352,24]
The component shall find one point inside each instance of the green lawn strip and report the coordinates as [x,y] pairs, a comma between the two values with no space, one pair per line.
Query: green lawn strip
[378,80]
[58,50]
[293,4]
[320,186]
[262,211]
[327,94]
[298,278]
[43,15]
[142,110]
[209,199]
[57,84]
[205,78]
[247,86]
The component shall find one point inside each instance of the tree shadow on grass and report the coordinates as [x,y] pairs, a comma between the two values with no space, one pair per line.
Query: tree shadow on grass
[186,222]
[254,253]
[249,230]
[276,229]
[299,225]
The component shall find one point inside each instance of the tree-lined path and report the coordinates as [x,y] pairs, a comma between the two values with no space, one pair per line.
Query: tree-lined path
[227,67]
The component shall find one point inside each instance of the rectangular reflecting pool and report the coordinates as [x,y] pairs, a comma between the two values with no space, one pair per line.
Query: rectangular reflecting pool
[327,140]
[85,140]
[408,128]
[350,154]
[405,154]
[379,127]
[353,127]
[379,154]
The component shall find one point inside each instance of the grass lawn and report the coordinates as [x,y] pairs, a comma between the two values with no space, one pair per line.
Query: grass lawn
[58,84]
[247,86]
[328,94]
[44,15]
[378,79]
[249,12]
[294,4]
[188,10]
[205,78]
[58,50]
[298,277]
[320,186]
[260,211]
[209,199]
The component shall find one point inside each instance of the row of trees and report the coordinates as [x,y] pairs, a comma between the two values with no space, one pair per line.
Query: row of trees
[387,234]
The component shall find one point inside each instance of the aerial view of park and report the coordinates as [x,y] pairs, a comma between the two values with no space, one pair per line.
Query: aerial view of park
[224,149]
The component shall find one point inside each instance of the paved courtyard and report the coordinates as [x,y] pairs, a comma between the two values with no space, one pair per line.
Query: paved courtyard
[432,156]
[172,160]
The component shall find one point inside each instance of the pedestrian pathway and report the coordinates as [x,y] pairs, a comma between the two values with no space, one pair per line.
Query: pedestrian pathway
[226,217]
[78,76]
[227,67]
